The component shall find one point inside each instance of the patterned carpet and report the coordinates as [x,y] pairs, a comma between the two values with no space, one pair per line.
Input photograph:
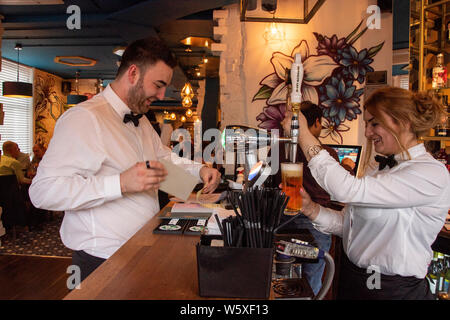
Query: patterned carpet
[42,242]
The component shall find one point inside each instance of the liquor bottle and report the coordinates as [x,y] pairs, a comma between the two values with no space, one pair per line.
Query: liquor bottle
[442,156]
[432,275]
[442,129]
[440,273]
[439,73]
[448,32]
[446,272]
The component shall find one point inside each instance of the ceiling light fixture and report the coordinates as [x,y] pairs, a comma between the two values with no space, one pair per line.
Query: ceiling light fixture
[186,102]
[189,113]
[17,89]
[73,99]
[119,51]
[187,91]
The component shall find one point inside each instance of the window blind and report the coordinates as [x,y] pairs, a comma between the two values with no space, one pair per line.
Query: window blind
[18,122]
[404,81]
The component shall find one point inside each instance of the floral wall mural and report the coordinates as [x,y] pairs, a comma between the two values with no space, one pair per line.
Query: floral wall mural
[48,105]
[333,79]
[50,102]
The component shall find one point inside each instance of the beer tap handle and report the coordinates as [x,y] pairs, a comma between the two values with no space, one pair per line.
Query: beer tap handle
[294,137]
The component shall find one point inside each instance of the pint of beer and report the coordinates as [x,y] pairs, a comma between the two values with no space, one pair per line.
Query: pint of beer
[292,181]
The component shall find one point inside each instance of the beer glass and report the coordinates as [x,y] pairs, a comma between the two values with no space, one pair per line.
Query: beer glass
[291,182]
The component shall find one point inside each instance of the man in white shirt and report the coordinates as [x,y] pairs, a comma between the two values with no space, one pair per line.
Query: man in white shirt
[101,166]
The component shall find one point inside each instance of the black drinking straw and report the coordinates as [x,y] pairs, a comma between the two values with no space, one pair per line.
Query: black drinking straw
[246,222]
[252,220]
[253,217]
[220,225]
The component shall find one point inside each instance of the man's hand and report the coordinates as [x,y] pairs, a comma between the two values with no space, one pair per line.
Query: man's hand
[138,178]
[348,162]
[210,178]
[286,123]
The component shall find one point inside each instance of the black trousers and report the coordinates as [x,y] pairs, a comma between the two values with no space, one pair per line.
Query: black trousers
[86,262]
[353,285]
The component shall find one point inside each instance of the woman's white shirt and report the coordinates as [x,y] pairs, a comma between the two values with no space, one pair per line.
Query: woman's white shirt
[392,216]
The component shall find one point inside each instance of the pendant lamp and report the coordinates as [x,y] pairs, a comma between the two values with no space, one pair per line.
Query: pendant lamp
[17,89]
[73,99]
[187,91]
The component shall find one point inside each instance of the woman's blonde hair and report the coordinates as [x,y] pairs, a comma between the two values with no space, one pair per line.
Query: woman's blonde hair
[418,109]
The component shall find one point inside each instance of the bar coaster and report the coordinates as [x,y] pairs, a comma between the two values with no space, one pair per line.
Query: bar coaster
[195,227]
[172,226]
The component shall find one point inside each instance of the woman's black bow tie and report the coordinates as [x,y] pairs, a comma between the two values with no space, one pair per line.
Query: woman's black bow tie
[385,161]
[131,117]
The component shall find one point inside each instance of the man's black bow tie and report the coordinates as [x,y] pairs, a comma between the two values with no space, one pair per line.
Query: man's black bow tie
[131,117]
[385,161]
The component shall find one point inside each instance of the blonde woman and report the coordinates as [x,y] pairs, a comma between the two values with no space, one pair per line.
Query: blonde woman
[395,209]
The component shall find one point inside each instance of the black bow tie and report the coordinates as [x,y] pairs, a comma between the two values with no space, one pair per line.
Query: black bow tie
[385,161]
[131,117]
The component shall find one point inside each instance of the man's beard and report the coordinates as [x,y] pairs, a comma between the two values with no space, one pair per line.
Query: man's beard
[136,99]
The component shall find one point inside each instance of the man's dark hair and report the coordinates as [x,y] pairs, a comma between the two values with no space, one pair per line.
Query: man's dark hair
[311,112]
[145,52]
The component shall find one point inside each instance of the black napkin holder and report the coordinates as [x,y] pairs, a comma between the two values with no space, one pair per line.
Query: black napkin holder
[231,272]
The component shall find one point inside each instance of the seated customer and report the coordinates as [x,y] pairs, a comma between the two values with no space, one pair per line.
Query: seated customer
[24,160]
[38,153]
[11,197]
[9,165]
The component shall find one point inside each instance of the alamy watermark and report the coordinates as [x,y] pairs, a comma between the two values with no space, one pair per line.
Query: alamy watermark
[74,20]
[230,147]
[374,21]
[374,280]
[74,280]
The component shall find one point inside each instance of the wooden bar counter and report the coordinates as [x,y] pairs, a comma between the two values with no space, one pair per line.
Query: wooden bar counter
[148,266]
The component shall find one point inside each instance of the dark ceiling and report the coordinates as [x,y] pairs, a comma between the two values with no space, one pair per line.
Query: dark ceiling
[105,25]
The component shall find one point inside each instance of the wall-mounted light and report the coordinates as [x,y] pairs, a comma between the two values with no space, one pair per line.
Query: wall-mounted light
[273,33]
[271,5]
[17,89]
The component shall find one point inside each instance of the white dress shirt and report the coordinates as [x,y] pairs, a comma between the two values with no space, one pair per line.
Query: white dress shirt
[393,216]
[80,174]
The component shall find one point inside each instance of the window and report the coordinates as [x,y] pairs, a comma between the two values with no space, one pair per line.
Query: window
[401,81]
[404,81]
[18,122]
